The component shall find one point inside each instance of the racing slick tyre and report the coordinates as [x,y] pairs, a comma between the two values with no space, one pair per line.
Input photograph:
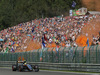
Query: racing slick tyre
[36,68]
[14,67]
[20,68]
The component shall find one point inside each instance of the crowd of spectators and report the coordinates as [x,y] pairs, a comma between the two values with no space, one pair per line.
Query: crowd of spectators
[96,40]
[62,31]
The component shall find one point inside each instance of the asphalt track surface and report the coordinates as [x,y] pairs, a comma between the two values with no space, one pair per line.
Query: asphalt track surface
[5,71]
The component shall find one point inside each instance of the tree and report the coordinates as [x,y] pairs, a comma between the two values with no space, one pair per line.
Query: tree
[13,12]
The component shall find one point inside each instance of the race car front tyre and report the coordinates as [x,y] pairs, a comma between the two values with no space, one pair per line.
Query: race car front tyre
[13,67]
[20,68]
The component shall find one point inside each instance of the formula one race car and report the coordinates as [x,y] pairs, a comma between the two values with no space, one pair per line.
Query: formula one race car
[23,66]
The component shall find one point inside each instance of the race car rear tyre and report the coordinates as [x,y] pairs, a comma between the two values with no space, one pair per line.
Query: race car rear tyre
[13,67]
[20,68]
[36,67]
[36,70]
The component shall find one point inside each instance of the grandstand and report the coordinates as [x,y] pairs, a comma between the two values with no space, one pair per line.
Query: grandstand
[57,32]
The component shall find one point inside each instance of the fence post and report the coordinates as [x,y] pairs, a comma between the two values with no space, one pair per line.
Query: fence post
[29,56]
[63,53]
[2,59]
[42,54]
[75,53]
[11,57]
[15,56]
[0,56]
[96,54]
[68,54]
[32,56]
[89,54]
[38,55]
[3,56]
[46,55]
[26,55]
[58,54]
[52,55]
[83,54]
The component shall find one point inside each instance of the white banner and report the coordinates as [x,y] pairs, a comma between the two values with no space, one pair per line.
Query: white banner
[70,12]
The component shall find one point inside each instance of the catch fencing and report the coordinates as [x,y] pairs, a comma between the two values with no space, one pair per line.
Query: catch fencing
[53,55]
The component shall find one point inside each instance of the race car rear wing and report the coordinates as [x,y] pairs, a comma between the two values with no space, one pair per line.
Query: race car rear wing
[20,61]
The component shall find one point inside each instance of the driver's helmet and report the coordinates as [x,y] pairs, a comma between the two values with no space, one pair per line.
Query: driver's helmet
[24,62]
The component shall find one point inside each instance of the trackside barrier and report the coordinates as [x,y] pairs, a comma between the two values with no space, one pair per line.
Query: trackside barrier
[60,66]
[62,55]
